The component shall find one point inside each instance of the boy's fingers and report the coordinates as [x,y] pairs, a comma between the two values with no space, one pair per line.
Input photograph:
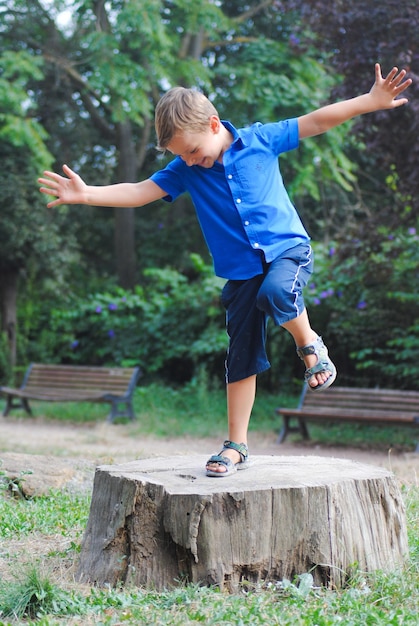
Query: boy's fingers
[48,190]
[399,102]
[45,181]
[392,73]
[50,174]
[68,171]
[53,204]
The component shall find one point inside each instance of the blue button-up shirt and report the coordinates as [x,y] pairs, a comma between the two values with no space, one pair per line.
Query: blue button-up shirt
[242,204]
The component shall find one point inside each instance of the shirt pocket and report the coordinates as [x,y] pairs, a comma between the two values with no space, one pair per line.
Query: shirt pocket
[256,171]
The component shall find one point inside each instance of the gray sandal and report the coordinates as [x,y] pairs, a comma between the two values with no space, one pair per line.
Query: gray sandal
[324,364]
[231,467]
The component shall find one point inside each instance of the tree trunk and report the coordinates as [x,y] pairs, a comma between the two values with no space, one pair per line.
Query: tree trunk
[125,257]
[160,522]
[124,217]
[8,299]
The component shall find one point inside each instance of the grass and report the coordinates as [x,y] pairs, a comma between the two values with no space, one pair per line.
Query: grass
[35,594]
[198,410]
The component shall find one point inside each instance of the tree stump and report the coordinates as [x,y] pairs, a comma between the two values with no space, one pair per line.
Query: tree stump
[162,522]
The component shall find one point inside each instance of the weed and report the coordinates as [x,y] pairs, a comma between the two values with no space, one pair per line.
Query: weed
[14,485]
[35,595]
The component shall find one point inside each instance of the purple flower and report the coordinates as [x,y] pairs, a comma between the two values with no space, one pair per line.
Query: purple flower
[74,344]
[111,333]
[113,307]
[361,305]
[411,231]
[98,309]
[332,251]
[324,294]
[316,301]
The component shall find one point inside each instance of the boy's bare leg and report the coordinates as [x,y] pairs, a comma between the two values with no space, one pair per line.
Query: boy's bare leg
[241,394]
[303,335]
[240,400]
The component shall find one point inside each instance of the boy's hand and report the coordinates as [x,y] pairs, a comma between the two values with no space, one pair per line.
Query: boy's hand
[385,90]
[71,190]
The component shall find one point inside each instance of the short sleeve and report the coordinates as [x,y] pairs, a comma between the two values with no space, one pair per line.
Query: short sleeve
[170,179]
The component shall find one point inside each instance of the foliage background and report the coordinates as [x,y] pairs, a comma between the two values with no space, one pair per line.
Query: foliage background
[78,84]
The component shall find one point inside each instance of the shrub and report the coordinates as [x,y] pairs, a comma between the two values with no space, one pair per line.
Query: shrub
[367,299]
[363,299]
[170,325]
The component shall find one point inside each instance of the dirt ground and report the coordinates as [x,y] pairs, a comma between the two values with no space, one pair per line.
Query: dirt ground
[103,443]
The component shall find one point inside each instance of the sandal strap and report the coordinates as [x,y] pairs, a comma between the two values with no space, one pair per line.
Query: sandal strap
[317,347]
[241,448]
[223,460]
[319,368]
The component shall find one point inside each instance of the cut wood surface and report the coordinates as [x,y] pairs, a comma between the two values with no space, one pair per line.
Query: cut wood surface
[160,522]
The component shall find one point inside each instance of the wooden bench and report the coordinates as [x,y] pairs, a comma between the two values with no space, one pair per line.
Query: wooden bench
[355,404]
[73,383]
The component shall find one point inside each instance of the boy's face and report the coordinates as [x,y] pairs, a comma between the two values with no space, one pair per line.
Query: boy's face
[203,148]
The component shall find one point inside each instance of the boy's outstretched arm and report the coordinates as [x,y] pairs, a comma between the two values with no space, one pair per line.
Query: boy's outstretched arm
[71,189]
[383,95]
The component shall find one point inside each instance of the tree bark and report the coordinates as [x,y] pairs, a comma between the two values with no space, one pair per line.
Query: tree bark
[159,522]
[8,300]
[124,217]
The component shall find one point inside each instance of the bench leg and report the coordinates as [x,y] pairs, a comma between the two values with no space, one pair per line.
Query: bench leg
[287,428]
[16,403]
[283,434]
[302,428]
[116,412]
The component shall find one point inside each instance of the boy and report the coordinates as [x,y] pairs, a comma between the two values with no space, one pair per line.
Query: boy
[253,231]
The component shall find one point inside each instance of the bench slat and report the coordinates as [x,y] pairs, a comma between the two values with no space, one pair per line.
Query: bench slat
[59,395]
[363,397]
[352,414]
[76,385]
[71,376]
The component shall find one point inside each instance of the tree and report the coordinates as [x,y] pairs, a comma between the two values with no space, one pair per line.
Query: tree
[103,72]
[28,237]
[356,36]
[111,64]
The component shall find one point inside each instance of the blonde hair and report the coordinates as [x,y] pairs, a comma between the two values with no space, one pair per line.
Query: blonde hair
[181,109]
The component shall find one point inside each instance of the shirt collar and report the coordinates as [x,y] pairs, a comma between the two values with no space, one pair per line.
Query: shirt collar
[236,136]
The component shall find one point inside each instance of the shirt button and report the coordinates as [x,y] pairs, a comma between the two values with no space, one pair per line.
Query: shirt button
[238,200]
[256,245]
[246,223]
[230,176]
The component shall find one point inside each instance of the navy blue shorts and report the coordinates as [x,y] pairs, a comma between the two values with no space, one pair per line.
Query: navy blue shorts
[276,294]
